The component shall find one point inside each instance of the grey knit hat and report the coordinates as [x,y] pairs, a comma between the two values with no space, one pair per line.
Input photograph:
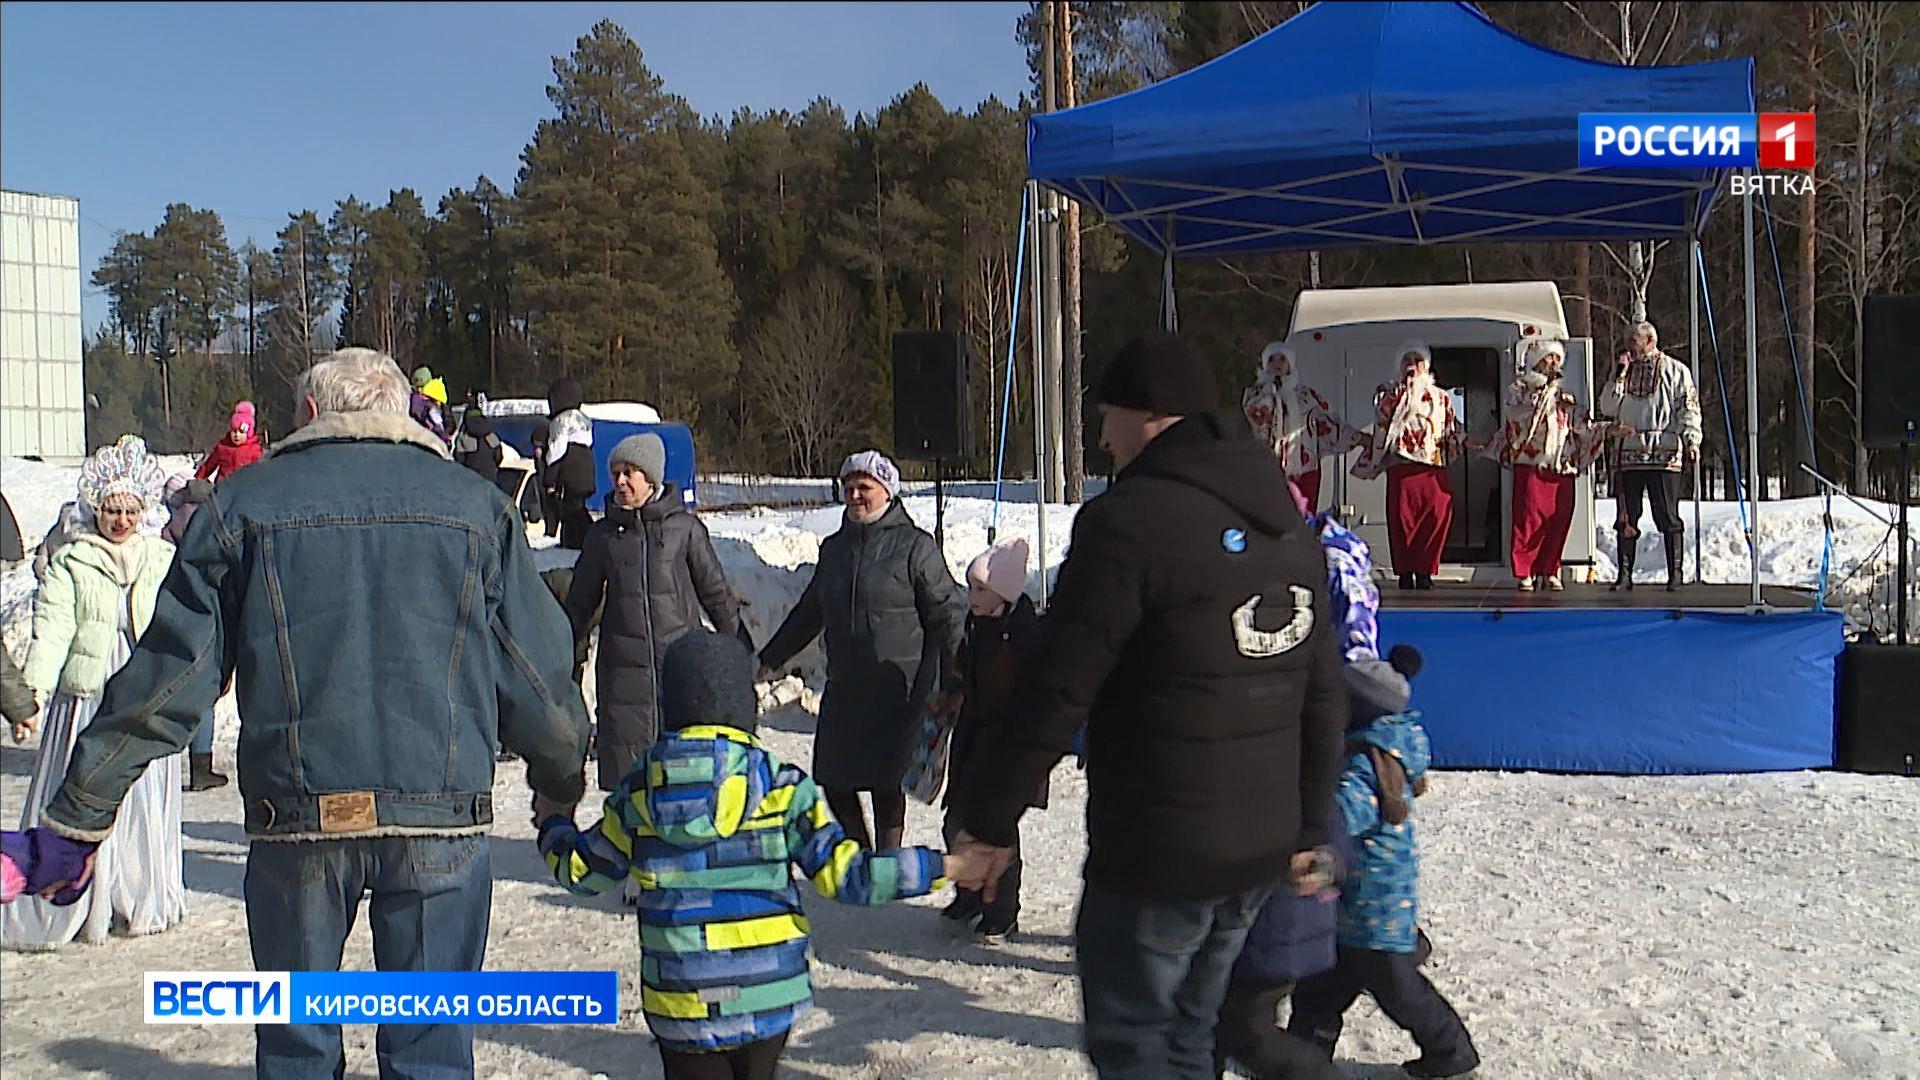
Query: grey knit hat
[644,452]
[1380,687]
[707,678]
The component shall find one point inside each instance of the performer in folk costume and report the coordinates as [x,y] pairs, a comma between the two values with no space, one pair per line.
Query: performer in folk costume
[1294,421]
[1549,439]
[1416,433]
[1652,396]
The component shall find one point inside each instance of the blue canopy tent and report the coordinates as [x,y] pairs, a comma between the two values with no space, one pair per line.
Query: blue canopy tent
[1363,124]
[1372,124]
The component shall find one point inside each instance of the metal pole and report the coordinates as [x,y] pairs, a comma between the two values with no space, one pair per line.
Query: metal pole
[1753,391]
[1169,315]
[1693,355]
[1906,482]
[939,509]
[1039,393]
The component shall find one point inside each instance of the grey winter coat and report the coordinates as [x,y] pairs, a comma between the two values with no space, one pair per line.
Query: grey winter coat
[893,618]
[656,571]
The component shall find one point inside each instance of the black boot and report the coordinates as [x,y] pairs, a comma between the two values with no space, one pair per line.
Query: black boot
[1676,559]
[1624,582]
[1423,582]
[200,774]
[1406,582]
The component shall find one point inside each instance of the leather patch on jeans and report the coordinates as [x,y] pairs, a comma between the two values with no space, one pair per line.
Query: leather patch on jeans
[349,812]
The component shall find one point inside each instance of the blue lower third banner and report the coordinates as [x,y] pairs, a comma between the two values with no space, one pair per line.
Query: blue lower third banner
[382,997]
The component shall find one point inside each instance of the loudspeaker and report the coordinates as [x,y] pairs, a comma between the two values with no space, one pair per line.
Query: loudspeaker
[1879,726]
[1890,370]
[932,395]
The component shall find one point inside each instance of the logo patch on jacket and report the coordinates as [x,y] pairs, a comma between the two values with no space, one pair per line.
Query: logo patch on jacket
[1234,540]
[1259,644]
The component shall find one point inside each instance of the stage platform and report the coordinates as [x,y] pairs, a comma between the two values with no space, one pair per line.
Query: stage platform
[1646,682]
[1492,596]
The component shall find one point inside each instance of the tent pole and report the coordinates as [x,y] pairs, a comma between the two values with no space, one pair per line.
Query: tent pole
[1039,389]
[1753,391]
[1693,354]
[1169,315]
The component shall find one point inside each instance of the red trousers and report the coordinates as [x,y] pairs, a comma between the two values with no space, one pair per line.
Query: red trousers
[1309,486]
[1542,514]
[1419,513]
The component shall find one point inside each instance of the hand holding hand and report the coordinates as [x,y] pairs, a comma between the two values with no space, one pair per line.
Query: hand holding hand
[977,865]
[23,728]
[544,808]
[61,868]
[1311,871]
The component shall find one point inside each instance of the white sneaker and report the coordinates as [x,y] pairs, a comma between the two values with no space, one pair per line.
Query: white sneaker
[1553,583]
[1526,584]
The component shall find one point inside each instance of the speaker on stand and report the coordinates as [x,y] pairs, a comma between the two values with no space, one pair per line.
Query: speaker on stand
[933,405]
[1890,403]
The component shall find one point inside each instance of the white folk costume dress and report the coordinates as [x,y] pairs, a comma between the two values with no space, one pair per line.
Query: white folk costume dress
[96,601]
[1295,423]
[1416,434]
[1548,440]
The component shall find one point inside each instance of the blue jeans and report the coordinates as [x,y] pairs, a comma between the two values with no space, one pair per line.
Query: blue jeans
[1152,976]
[203,735]
[432,897]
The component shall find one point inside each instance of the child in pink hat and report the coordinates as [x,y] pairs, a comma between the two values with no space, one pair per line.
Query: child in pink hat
[239,449]
[1002,633]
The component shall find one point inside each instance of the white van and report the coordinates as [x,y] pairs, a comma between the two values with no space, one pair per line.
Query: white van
[1347,343]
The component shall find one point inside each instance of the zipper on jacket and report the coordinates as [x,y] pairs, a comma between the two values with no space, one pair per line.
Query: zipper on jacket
[646,604]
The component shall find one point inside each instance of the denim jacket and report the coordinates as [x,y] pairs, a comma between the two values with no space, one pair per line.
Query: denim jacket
[387,630]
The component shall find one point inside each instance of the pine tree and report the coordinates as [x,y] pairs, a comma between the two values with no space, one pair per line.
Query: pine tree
[621,278]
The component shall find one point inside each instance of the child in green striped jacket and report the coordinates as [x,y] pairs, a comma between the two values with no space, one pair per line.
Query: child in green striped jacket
[709,823]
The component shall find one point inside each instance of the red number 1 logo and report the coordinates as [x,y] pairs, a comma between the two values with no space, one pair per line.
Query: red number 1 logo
[1786,140]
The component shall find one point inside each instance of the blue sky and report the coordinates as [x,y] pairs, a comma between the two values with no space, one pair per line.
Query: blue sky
[256,109]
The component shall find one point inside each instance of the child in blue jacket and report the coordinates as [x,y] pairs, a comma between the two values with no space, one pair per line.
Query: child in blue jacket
[1378,933]
[710,824]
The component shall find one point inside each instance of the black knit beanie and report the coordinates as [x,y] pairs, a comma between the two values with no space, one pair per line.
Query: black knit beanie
[707,678]
[1160,373]
[564,393]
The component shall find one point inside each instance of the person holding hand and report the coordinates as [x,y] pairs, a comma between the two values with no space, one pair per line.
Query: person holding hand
[1192,588]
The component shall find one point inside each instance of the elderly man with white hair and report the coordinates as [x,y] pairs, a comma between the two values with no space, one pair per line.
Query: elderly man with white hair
[387,631]
[1416,434]
[1294,421]
[1652,396]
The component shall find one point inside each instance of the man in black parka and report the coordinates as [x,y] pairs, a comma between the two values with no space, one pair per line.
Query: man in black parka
[1190,632]
[652,564]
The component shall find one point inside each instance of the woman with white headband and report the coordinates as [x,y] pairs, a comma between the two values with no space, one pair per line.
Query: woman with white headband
[1548,440]
[1416,433]
[1294,421]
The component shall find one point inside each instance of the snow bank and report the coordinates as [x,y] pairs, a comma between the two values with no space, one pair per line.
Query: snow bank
[627,412]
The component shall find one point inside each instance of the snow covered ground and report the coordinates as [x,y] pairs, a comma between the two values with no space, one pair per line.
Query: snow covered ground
[1588,927]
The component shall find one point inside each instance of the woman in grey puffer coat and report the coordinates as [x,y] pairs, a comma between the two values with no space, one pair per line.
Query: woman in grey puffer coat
[893,618]
[651,563]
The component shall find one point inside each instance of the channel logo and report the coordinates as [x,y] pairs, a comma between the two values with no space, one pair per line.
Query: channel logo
[381,997]
[1696,140]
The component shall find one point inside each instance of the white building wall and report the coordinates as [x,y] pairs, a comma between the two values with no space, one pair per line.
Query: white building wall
[42,396]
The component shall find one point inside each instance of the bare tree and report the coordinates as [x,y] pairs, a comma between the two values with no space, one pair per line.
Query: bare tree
[1874,226]
[799,366]
[1635,34]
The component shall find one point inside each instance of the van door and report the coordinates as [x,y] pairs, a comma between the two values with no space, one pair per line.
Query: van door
[1479,506]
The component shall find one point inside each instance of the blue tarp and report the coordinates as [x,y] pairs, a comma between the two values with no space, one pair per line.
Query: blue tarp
[517,432]
[1362,124]
[1625,691]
